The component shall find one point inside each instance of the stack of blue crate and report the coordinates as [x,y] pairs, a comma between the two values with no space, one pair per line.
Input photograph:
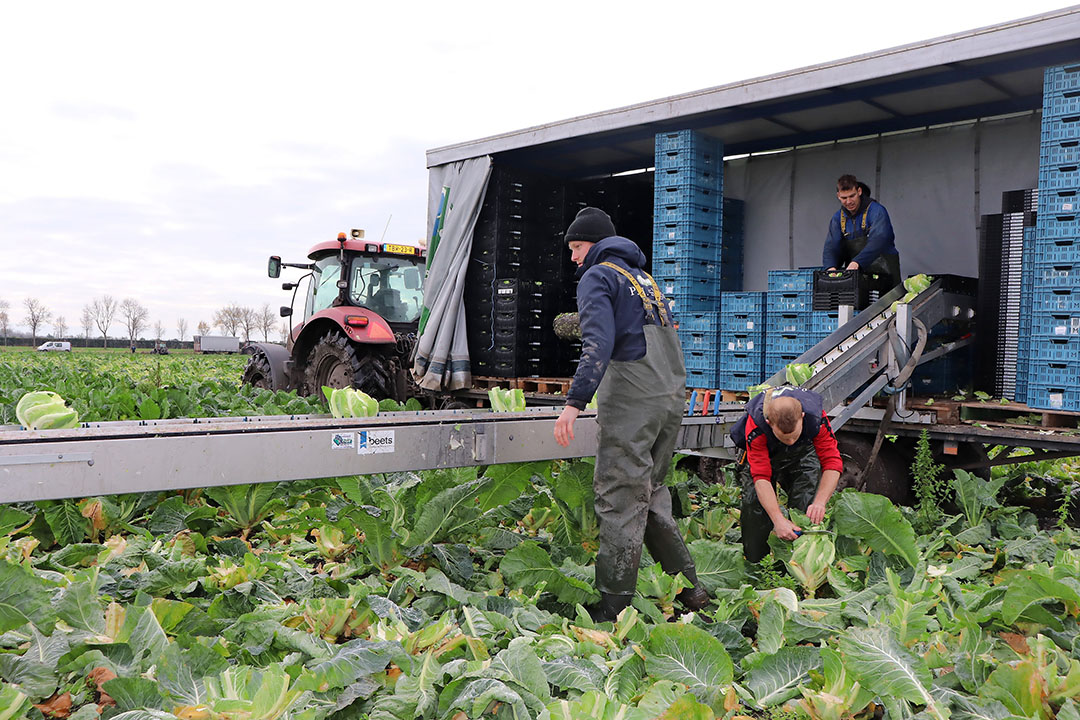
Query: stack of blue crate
[742,340]
[687,254]
[1054,354]
[1023,345]
[793,325]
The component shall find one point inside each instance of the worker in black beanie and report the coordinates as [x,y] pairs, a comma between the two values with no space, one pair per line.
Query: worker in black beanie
[632,361]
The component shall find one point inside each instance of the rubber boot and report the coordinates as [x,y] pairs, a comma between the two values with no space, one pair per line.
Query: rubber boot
[696,597]
[609,607]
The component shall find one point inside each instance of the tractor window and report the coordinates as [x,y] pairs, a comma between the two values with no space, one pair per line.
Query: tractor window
[381,284]
[324,281]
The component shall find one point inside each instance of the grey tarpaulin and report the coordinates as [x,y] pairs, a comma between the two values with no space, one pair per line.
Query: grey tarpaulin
[455,195]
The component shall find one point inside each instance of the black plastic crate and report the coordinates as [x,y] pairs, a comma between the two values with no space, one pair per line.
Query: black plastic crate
[833,288]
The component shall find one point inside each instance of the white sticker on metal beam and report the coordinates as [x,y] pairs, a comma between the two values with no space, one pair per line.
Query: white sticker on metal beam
[375,441]
[343,441]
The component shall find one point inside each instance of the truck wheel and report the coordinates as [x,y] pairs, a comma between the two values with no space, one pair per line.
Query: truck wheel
[257,372]
[888,475]
[335,362]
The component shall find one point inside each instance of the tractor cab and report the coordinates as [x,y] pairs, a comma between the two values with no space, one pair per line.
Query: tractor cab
[385,279]
[361,308]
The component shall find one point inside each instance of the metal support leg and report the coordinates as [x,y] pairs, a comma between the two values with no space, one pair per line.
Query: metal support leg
[845,313]
[904,330]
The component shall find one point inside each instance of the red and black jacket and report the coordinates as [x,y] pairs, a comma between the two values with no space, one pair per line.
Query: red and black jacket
[753,434]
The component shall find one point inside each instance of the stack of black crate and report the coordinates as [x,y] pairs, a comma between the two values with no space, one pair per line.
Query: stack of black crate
[998,320]
[519,278]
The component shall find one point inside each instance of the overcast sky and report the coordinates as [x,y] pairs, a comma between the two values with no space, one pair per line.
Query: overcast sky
[161,151]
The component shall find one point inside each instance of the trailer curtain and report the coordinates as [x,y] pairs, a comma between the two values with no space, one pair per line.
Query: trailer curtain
[455,195]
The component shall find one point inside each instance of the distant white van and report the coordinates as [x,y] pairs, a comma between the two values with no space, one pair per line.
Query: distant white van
[55,346]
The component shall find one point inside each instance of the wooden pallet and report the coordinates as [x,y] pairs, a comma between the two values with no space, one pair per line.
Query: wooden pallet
[545,386]
[995,413]
[486,383]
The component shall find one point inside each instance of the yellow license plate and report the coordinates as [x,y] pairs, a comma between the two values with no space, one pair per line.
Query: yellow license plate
[399,249]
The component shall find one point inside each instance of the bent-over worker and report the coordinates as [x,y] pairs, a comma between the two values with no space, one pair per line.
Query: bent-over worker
[631,359]
[787,439]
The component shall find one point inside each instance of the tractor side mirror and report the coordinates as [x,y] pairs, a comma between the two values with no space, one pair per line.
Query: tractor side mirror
[285,311]
[412,279]
[288,286]
[273,268]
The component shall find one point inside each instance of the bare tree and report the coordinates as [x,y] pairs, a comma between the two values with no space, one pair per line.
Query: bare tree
[5,319]
[36,316]
[267,318]
[204,328]
[134,317]
[104,310]
[248,321]
[284,331]
[181,328]
[228,319]
[60,327]
[87,322]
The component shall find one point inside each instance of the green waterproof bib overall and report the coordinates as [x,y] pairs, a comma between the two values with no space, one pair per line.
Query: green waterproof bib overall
[639,411]
[796,469]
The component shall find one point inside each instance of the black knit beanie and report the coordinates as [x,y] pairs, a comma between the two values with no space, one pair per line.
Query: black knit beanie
[591,225]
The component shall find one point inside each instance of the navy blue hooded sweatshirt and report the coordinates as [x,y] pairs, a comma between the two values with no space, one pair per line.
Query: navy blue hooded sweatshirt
[611,315]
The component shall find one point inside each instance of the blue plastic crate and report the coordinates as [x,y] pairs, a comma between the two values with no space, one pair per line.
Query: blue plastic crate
[686,212]
[744,303]
[742,343]
[738,382]
[823,324]
[689,194]
[688,268]
[742,362]
[1055,177]
[683,250]
[791,280]
[1062,373]
[1057,275]
[1054,251]
[1054,349]
[1060,78]
[775,362]
[785,302]
[685,231]
[706,379]
[698,341]
[1060,152]
[1056,324]
[789,343]
[1061,102]
[1059,202]
[693,303]
[1060,128]
[708,360]
[1055,300]
[701,158]
[787,323]
[1051,397]
[672,285]
[709,176]
[741,323]
[704,323]
[686,140]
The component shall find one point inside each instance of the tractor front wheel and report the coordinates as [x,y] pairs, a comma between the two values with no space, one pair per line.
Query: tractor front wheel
[258,373]
[337,363]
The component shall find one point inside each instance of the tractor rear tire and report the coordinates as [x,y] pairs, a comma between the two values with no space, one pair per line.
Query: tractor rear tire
[258,373]
[337,363]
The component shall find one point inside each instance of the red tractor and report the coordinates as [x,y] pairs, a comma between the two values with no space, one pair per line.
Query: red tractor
[361,313]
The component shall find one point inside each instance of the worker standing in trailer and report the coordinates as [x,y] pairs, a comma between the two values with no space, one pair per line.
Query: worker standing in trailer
[861,234]
[787,440]
[631,359]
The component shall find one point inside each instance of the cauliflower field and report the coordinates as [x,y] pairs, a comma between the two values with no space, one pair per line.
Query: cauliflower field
[458,594]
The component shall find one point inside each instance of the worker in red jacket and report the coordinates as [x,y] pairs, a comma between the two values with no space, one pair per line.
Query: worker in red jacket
[787,439]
